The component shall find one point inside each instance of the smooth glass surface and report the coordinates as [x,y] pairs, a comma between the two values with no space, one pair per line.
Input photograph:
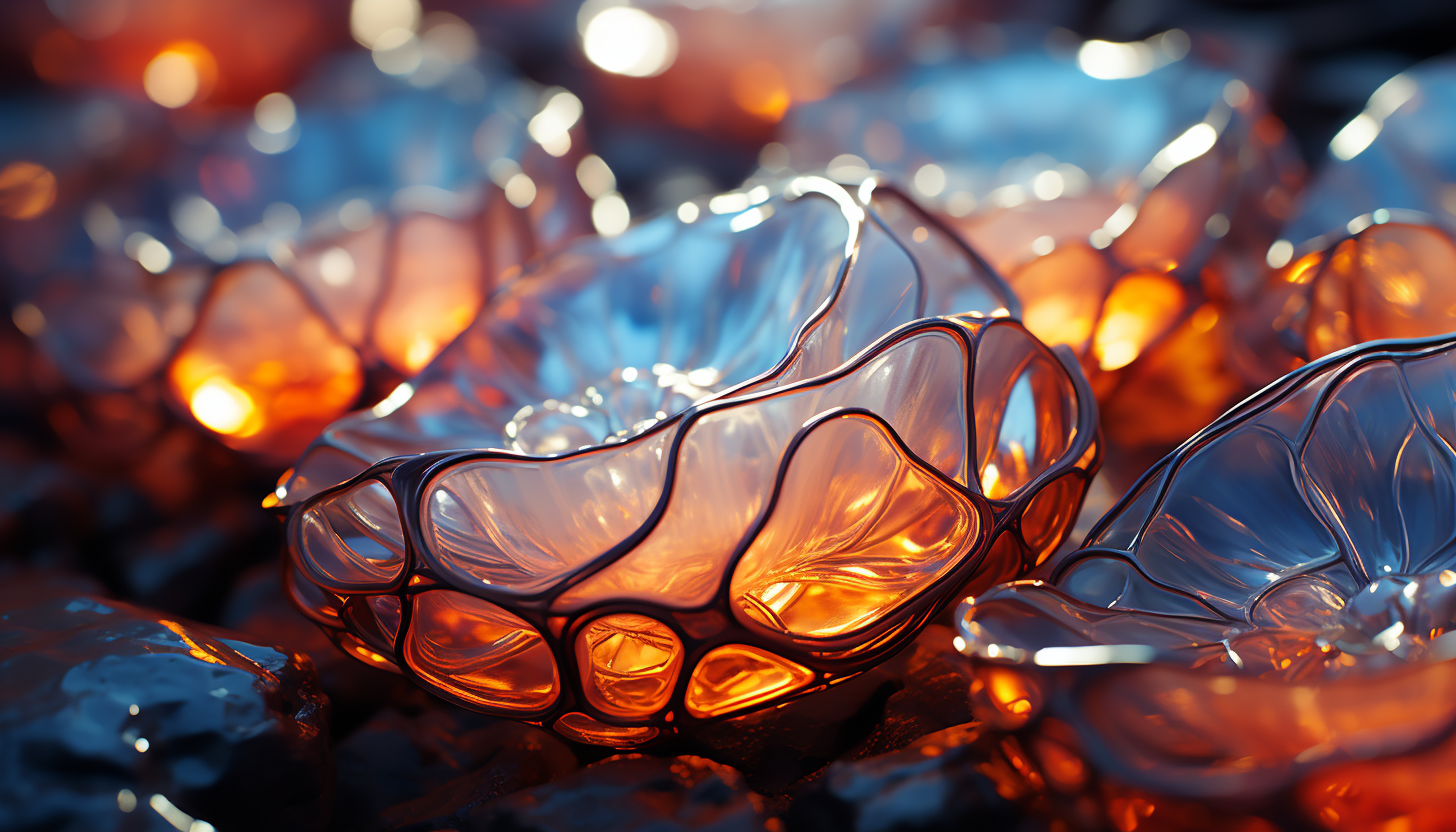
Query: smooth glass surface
[479,653]
[629,663]
[735,676]
[353,541]
[1277,597]
[859,528]
[770,424]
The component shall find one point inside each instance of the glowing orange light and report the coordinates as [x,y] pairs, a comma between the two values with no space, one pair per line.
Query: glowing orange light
[224,407]
[759,88]
[1140,308]
[261,369]
[180,74]
[27,190]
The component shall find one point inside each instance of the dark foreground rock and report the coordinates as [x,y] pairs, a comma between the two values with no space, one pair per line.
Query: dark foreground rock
[259,608]
[408,750]
[936,695]
[936,784]
[777,747]
[623,794]
[116,718]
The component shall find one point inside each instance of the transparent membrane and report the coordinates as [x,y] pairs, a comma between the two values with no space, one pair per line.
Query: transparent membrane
[735,676]
[352,541]
[629,664]
[858,530]
[480,653]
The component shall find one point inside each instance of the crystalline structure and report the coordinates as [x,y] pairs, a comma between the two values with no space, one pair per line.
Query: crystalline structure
[261,275]
[1263,622]
[1126,205]
[721,460]
[1371,253]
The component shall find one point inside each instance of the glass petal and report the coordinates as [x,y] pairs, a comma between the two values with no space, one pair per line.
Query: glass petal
[858,530]
[629,664]
[479,653]
[352,541]
[736,676]
[518,525]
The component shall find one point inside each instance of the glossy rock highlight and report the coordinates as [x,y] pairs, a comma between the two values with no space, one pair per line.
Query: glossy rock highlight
[1259,631]
[1125,203]
[701,468]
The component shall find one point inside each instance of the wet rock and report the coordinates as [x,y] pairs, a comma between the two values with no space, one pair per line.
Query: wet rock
[624,793]
[935,784]
[188,565]
[114,717]
[154,531]
[259,608]
[412,747]
[936,695]
[38,496]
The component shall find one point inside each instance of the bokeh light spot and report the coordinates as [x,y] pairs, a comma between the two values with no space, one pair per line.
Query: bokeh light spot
[27,190]
[629,41]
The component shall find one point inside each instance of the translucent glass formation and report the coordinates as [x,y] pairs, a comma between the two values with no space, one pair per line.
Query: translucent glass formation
[1125,202]
[730,457]
[1371,253]
[322,246]
[1262,626]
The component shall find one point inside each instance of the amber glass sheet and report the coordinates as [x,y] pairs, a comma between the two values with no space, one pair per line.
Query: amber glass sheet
[480,654]
[1272,600]
[1372,246]
[641,487]
[860,529]
[735,676]
[1390,280]
[582,728]
[630,664]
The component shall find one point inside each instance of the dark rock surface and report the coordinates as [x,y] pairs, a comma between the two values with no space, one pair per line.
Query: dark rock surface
[936,695]
[116,718]
[777,747]
[622,794]
[421,746]
[260,609]
[935,784]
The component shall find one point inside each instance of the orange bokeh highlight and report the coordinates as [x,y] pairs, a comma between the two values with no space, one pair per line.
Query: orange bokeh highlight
[480,653]
[253,47]
[27,190]
[180,74]
[759,88]
[262,369]
[437,290]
